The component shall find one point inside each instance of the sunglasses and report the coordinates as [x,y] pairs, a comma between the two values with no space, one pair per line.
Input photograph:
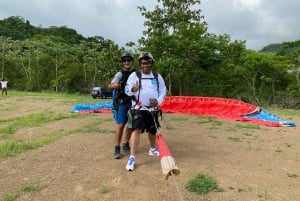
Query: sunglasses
[145,62]
[126,60]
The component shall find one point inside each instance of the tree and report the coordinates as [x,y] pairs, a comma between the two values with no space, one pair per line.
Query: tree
[5,47]
[169,29]
[177,35]
[264,75]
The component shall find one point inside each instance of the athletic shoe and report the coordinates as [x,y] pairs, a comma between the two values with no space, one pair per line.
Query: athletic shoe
[126,147]
[153,152]
[130,163]
[117,154]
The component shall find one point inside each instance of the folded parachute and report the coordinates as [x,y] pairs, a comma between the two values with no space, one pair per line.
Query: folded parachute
[99,107]
[206,106]
[222,108]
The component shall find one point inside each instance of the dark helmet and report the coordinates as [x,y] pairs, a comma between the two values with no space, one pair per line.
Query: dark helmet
[146,56]
[127,54]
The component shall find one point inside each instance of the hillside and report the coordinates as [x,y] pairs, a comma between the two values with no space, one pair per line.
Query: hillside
[17,28]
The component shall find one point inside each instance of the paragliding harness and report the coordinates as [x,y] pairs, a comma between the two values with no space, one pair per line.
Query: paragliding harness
[133,111]
[119,96]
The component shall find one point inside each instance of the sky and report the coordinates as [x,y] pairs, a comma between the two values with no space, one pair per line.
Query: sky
[258,22]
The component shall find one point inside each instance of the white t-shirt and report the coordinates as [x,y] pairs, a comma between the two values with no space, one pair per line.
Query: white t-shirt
[4,84]
[148,90]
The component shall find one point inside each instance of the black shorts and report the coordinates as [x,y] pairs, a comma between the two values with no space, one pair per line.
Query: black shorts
[144,120]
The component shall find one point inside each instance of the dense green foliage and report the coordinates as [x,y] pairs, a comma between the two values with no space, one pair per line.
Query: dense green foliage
[192,61]
[55,58]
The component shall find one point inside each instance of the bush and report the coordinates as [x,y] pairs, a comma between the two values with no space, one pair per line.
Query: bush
[202,184]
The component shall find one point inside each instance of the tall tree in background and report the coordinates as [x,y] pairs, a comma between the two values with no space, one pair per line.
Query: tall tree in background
[5,47]
[186,53]
[172,35]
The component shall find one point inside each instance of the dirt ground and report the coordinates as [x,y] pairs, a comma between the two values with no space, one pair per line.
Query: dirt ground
[248,162]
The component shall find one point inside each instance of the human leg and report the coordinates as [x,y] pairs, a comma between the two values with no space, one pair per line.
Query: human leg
[152,140]
[126,147]
[120,121]
[119,134]
[153,151]
[123,113]
[134,143]
[118,137]
[138,127]
[152,126]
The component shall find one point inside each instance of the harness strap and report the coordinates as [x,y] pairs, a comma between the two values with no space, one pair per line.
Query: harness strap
[139,75]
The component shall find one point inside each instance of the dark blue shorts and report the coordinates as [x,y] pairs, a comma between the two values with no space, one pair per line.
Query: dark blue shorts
[144,120]
[120,114]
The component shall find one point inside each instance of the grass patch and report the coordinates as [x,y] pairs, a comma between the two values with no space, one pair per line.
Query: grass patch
[247,126]
[286,112]
[102,189]
[235,139]
[292,175]
[11,148]
[211,120]
[11,196]
[202,184]
[179,118]
[31,120]
[27,187]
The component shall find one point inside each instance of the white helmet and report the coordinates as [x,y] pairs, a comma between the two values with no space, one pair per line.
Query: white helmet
[146,56]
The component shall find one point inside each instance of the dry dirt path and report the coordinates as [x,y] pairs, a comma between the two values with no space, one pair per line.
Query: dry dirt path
[249,162]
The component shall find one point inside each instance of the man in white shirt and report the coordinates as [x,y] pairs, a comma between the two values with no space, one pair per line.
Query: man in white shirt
[148,90]
[4,86]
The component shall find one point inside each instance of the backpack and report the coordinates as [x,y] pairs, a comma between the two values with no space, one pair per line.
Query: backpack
[119,95]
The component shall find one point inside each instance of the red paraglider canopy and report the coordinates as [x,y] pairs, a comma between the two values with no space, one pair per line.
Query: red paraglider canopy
[209,106]
[224,108]
[216,107]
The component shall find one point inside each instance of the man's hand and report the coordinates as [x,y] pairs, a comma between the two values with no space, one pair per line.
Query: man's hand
[136,87]
[153,102]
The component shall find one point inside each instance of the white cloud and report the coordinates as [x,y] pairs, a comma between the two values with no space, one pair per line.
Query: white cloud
[247,4]
[260,22]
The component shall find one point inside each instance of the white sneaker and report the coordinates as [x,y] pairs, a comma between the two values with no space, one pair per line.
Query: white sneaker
[130,163]
[153,152]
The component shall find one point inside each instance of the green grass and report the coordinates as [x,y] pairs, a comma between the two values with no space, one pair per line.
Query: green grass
[235,139]
[179,118]
[11,196]
[285,113]
[211,120]
[102,189]
[31,120]
[30,187]
[292,175]
[11,148]
[27,187]
[77,97]
[202,184]
[247,126]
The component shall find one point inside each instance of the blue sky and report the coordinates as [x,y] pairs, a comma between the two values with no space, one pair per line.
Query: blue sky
[259,22]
